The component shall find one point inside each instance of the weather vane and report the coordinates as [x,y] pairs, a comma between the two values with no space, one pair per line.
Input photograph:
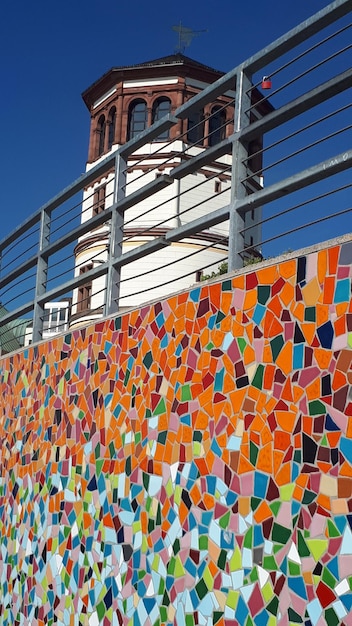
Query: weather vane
[185,36]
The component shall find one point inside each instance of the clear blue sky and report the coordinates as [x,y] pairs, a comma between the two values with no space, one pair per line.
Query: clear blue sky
[52,51]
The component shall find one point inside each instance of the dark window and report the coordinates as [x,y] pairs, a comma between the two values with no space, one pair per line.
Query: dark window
[137,118]
[195,128]
[101,134]
[85,291]
[161,107]
[99,200]
[217,127]
[112,126]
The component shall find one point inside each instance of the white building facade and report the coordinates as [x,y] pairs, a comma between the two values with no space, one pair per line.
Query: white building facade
[123,103]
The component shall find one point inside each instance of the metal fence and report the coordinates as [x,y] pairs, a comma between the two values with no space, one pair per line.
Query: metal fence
[304,154]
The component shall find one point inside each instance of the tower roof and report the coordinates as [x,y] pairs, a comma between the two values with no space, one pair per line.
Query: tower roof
[172,65]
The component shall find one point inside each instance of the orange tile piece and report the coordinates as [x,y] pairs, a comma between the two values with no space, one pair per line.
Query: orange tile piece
[333,255]
[329,289]
[345,469]
[324,467]
[282,440]
[311,292]
[323,357]
[283,476]
[334,437]
[286,393]
[339,380]
[267,275]
[266,435]
[340,326]
[322,264]
[250,300]
[324,501]
[269,375]
[278,456]
[263,512]
[275,306]
[243,505]
[298,310]
[322,314]
[313,390]
[284,359]
[297,494]
[287,294]
[308,330]
[244,466]
[287,269]
[267,354]
[265,459]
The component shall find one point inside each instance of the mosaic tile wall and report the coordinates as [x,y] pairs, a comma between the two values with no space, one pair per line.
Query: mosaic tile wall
[187,463]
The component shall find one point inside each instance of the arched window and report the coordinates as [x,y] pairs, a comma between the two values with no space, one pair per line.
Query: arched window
[217,129]
[137,118]
[161,107]
[101,127]
[195,128]
[112,126]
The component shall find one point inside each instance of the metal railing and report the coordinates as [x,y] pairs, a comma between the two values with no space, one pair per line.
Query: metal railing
[302,145]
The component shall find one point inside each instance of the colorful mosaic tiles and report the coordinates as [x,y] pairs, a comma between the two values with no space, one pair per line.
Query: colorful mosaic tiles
[188,463]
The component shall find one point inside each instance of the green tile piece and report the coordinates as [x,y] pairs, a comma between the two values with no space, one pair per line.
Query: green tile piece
[286,492]
[267,592]
[331,618]
[241,344]
[270,564]
[280,534]
[294,617]
[328,578]
[217,615]
[189,620]
[273,606]
[203,542]
[148,360]
[253,453]
[294,568]
[302,547]
[160,408]
[324,441]
[236,560]
[253,576]
[275,507]
[221,563]
[308,496]
[263,293]
[201,589]
[309,314]
[249,621]
[226,285]
[224,520]
[316,408]
[220,316]
[248,539]
[258,377]
[185,393]
[179,569]
[317,547]
[255,502]
[332,530]
[276,346]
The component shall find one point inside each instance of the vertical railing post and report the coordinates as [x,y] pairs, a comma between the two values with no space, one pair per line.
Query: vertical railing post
[239,170]
[41,277]
[116,239]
